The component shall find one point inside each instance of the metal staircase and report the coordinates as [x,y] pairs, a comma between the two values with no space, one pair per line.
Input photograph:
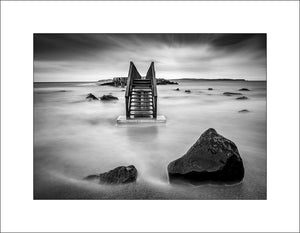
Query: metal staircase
[141,94]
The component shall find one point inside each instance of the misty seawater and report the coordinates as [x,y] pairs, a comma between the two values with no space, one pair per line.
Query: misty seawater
[74,138]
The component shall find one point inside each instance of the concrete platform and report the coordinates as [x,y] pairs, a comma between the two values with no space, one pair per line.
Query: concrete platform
[158,119]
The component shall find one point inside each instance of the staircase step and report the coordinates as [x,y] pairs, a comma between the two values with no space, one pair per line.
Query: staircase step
[141,87]
[142,96]
[144,100]
[141,113]
[141,80]
[135,108]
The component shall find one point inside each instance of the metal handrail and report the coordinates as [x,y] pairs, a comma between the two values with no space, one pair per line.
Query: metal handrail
[151,75]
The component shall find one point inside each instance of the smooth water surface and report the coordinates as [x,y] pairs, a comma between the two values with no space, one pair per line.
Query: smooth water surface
[74,138]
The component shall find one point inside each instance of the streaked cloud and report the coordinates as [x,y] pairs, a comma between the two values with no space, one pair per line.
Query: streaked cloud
[90,57]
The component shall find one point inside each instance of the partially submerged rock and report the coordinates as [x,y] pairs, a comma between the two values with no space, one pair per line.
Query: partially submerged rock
[119,175]
[210,89]
[242,98]
[231,93]
[108,97]
[177,89]
[187,91]
[244,89]
[162,81]
[90,97]
[212,158]
[244,111]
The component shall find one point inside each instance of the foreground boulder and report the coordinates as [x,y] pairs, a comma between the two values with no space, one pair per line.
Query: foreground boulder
[211,158]
[90,97]
[119,175]
[108,97]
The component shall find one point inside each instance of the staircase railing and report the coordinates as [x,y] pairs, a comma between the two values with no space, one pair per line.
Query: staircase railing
[151,75]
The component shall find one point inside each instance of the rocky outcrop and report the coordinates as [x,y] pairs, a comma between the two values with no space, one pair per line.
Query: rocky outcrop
[244,111]
[108,97]
[90,97]
[242,98]
[244,89]
[122,81]
[161,81]
[231,93]
[119,175]
[212,158]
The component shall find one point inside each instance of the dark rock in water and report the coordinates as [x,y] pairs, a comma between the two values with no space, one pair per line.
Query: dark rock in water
[242,98]
[212,158]
[244,89]
[108,84]
[244,111]
[119,175]
[161,81]
[210,89]
[187,91]
[231,93]
[177,89]
[108,97]
[90,97]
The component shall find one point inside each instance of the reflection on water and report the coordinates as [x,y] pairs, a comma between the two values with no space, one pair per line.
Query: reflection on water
[74,138]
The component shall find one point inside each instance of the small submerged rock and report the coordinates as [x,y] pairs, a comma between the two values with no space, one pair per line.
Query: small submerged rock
[187,91]
[108,97]
[177,89]
[212,158]
[90,97]
[231,93]
[244,111]
[210,89]
[119,175]
[242,98]
[244,89]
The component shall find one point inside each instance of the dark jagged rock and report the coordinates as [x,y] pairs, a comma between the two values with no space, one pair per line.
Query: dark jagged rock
[119,175]
[108,97]
[210,89]
[213,158]
[187,91]
[161,81]
[108,84]
[177,89]
[242,98]
[244,89]
[90,97]
[231,93]
[244,111]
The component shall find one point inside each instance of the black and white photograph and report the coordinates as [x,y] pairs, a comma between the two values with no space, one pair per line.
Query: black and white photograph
[150,116]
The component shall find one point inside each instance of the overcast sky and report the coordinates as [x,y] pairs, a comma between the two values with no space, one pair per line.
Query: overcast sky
[90,57]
